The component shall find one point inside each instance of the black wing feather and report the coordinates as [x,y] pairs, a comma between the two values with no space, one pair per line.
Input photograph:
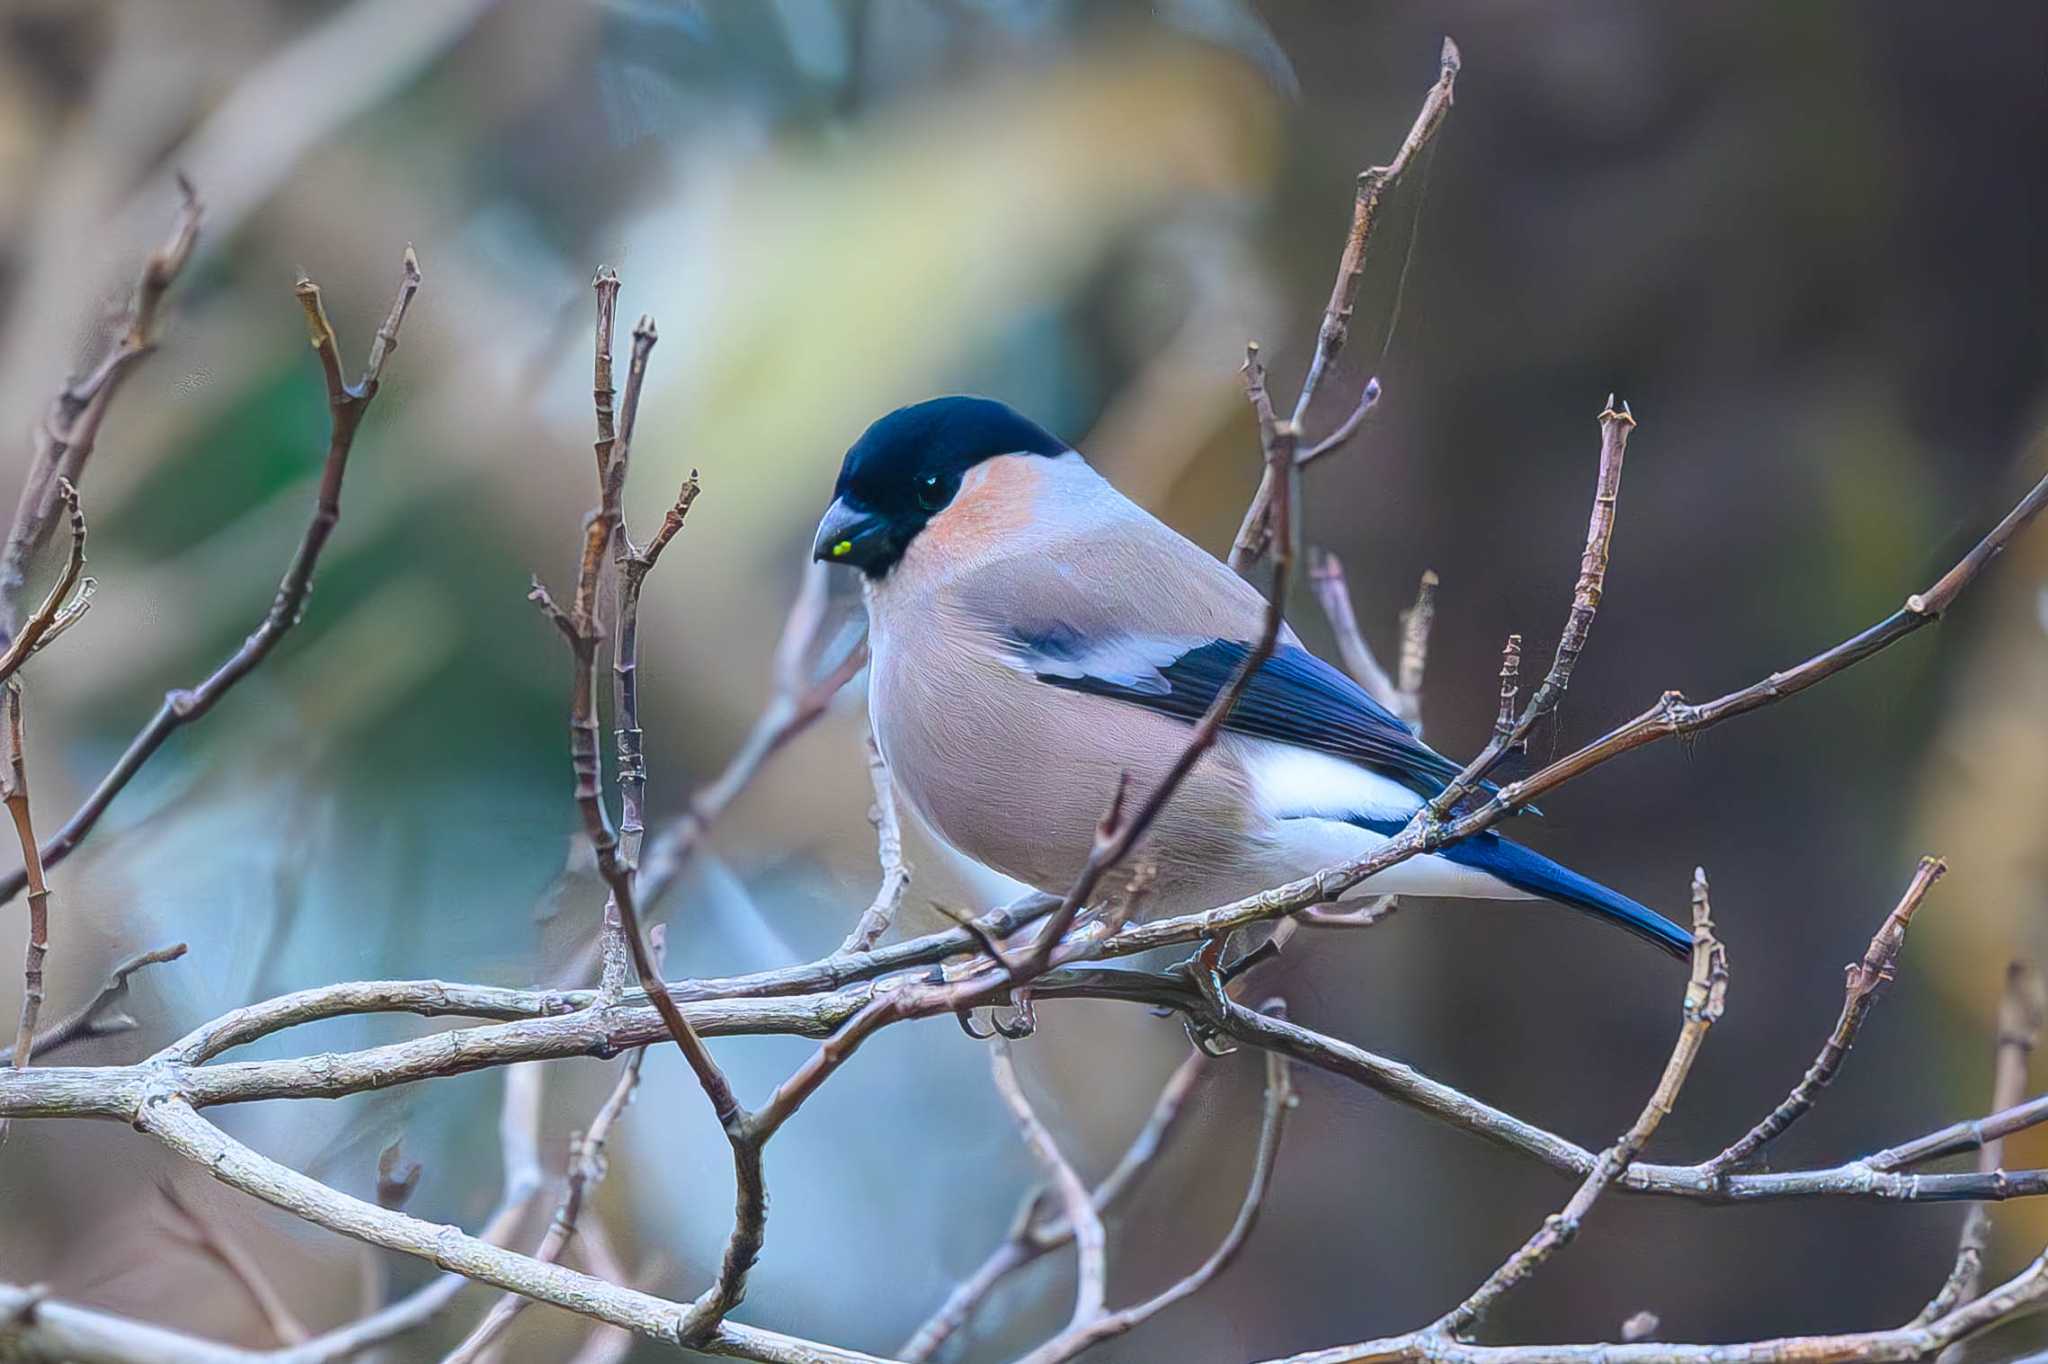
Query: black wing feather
[1294,698]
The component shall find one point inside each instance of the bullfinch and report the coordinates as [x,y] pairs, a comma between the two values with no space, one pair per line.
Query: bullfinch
[1036,634]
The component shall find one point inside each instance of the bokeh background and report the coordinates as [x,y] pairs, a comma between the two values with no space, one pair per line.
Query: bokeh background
[1804,241]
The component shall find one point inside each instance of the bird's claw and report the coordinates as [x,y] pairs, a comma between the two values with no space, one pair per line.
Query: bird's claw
[1206,1039]
[1020,1025]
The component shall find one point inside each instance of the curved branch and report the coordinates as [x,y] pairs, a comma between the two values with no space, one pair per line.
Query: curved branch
[179,1127]
[346,405]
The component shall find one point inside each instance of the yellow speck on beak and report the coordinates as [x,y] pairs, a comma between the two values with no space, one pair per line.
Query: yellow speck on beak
[842,549]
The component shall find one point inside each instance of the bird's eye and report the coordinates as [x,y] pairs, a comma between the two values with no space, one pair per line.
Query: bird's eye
[933,492]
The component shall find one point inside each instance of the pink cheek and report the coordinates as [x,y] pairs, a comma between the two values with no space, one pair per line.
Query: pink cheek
[987,510]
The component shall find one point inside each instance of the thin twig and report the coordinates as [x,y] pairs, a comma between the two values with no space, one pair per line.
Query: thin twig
[1864,979]
[1118,832]
[1280,1101]
[1037,1231]
[1091,1274]
[1416,622]
[14,791]
[799,700]
[979,932]
[346,404]
[70,428]
[1615,425]
[610,1344]
[1672,716]
[881,911]
[1706,995]
[1326,579]
[174,1123]
[1256,531]
[2021,1011]
[61,1332]
[99,1016]
[1974,1134]
[587,1168]
[59,609]
[614,452]
[606,285]
[1336,440]
[578,625]
[2021,1296]
[242,1267]
[1510,688]
[613,952]
[757,1004]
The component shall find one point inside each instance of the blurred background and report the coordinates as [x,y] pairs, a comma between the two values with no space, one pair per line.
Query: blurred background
[1803,241]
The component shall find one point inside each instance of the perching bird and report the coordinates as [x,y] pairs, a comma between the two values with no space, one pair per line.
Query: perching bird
[1035,634]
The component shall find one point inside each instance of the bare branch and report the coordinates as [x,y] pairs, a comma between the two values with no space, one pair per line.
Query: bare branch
[881,912]
[614,451]
[847,1017]
[14,792]
[184,1132]
[59,609]
[1084,1221]
[241,1266]
[703,1324]
[99,1016]
[1706,995]
[1416,622]
[2021,1296]
[606,285]
[1614,430]
[979,932]
[1279,1103]
[346,406]
[634,567]
[1037,1232]
[1864,979]
[1336,439]
[1510,687]
[1326,579]
[2021,1011]
[1372,185]
[43,1330]
[70,428]
[1118,834]
[798,702]
[580,627]
[1673,716]
[1260,518]
[587,1168]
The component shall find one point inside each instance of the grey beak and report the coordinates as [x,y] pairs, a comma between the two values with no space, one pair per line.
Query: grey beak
[850,535]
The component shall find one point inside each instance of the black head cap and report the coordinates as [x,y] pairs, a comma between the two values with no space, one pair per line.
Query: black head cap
[905,469]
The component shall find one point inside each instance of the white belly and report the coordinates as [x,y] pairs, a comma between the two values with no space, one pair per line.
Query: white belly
[1312,844]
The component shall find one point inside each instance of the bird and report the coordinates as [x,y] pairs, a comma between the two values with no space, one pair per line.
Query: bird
[1036,638]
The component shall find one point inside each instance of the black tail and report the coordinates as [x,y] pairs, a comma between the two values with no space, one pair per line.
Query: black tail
[1525,869]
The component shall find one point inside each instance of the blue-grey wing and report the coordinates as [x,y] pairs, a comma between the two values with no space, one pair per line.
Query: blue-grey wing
[1294,698]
